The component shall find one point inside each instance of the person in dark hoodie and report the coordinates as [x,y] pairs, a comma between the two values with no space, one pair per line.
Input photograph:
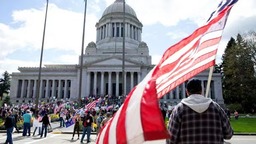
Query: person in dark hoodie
[198,119]
[45,123]
[9,124]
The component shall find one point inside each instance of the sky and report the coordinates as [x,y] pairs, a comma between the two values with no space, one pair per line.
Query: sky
[165,22]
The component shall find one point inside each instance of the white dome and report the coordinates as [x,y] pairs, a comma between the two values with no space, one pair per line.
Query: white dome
[117,7]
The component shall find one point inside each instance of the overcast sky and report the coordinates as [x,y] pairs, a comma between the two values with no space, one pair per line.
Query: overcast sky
[165,22]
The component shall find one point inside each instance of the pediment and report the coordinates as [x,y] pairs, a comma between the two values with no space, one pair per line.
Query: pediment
[113,61]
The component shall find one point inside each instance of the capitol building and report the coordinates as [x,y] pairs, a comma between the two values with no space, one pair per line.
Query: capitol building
[102,66]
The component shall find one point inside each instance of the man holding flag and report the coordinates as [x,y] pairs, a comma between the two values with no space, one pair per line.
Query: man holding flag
[139,119]
[198,120]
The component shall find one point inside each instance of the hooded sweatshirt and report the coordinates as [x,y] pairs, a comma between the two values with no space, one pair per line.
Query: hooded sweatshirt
[197,102]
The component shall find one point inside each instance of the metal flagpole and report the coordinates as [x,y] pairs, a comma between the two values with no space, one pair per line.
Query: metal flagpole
[81,58]
[123,59]
[41,58]
[209,82]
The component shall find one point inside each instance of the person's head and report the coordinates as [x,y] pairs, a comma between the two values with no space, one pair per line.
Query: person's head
[8,113]
[194,87]
[87,112]
[108,114]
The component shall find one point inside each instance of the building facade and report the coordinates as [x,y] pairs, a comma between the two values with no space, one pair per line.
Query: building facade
[102,72]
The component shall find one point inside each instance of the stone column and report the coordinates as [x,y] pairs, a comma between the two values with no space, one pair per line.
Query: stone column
[124,83]
[136,33]
[117,83]
[132,80]
[128,30]
[88,82]
[66,89]
[171,95]
[120,29]
[53,88]
[139,34]
[47,89]
[109,83]
[102,84]
[97,34]
[41,89]
[22,88]
[34,89]
[95,84]
[29,89]
[59,91]
[183,90]
[139,75]
[109,29]
[177,92]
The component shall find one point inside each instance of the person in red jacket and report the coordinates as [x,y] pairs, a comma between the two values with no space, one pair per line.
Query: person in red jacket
[87,126]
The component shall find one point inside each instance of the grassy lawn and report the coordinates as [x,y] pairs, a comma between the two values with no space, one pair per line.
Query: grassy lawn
[244,125]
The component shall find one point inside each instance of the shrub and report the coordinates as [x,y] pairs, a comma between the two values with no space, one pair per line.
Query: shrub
[54,117]
[236,106]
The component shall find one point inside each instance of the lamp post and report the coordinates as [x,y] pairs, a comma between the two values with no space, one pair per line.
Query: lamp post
[81,58]
[41,58]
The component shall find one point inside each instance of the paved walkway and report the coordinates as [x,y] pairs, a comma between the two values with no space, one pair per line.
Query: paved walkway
[64,135]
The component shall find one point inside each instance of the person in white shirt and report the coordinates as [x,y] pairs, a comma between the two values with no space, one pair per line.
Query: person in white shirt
[36,125]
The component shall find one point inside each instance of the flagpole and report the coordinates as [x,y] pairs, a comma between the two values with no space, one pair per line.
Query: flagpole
[123,59]
[41,59]
[81,58]
[209,82]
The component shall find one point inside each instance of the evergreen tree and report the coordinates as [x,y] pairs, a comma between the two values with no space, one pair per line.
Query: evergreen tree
[228,66]
[238,73]
[5,84]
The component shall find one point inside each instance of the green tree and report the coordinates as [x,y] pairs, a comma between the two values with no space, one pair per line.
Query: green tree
[250,38]
[5,84]
[229,71]
[238,73]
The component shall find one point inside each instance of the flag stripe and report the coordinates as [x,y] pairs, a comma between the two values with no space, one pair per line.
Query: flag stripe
[211,32]
[167,69]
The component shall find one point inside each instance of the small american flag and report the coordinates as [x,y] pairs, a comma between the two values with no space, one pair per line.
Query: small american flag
[91,104]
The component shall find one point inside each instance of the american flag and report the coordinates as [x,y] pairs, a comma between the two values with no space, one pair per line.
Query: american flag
[139,119]
[92,104]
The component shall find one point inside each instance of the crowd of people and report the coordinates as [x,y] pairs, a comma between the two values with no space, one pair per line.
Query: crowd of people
[65,110]
[196,119]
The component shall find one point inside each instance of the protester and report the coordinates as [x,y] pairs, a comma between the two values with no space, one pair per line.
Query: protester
[62,117]
[76,119]
[105,120]
[236,115]
[87,126]
[198,120]
[9,124]
[27,118]
[36,125]
[16,119]
[99,119]
[45,124]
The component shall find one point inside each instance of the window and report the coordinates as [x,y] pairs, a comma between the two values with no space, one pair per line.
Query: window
[113,29]
[122,30]
[117,29]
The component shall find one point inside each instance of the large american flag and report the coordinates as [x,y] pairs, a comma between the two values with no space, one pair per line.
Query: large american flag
[139,119]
